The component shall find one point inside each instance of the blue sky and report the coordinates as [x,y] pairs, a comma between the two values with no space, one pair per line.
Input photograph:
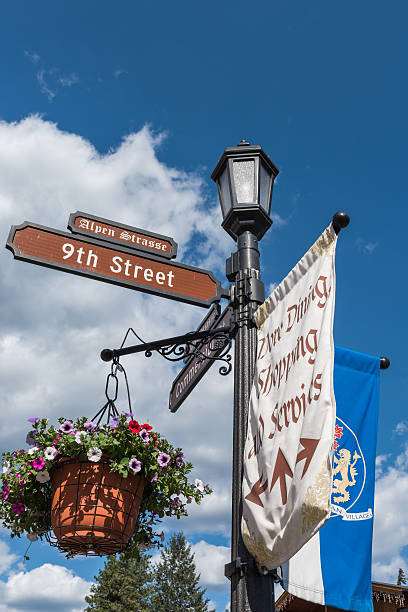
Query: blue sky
[122,110]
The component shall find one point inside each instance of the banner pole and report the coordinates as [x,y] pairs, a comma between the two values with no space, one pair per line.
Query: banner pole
[251,591]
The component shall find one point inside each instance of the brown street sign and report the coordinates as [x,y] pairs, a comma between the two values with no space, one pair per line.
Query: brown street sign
[195,369]
[124,235]
[89,257]
[207,323]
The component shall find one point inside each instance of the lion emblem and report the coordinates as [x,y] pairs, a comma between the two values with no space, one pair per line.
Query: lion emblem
[346,474]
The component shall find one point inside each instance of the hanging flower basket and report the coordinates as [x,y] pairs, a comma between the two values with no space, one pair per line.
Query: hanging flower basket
[97,489]
[93,510]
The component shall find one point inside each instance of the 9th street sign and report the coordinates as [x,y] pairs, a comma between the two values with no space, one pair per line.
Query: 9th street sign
[119,265]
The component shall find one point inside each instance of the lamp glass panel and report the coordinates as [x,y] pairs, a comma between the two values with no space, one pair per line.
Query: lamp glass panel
[264,188]
[225,193]
[244,179]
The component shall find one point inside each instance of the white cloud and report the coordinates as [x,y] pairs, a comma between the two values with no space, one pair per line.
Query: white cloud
[49,587]
[33,57]
[7,558]
[401,428]
[210,561]
[68,79]
[45,88]
[270,289]
[366,247]
[380,461]
[390,520]
[118,72]
[50,81]
[388,570]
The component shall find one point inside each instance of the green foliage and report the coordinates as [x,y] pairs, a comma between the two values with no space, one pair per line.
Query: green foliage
[123,585]
[176,579]
[130,448]
[401,577]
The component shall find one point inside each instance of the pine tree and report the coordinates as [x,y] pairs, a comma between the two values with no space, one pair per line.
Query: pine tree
[401,577]
[176,579]
[123,585]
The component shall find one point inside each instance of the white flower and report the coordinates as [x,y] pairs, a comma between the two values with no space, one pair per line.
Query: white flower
[199,485]
[33,450]
[94,454]
[50,453]
[6,467]
[42,476]
[80,436]
[32,537]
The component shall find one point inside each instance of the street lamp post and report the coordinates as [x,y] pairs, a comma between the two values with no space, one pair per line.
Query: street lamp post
[244,176]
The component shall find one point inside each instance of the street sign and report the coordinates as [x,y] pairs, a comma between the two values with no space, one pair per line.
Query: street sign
[119,265]
[124,235]
[207,323]
[195,369]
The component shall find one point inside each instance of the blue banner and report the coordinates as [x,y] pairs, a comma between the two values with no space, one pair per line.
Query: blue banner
[334,568]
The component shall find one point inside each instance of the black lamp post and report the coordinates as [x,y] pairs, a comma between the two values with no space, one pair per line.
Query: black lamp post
[244,177]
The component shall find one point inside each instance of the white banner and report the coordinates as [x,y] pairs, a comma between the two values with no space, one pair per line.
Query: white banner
[287,464]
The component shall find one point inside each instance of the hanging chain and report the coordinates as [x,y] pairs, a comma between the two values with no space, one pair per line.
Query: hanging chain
[109,409]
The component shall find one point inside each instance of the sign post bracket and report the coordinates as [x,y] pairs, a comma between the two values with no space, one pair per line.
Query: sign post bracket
[178,348]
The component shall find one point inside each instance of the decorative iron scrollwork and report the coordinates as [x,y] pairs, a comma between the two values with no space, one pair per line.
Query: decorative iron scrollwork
[214,347]
[213,344]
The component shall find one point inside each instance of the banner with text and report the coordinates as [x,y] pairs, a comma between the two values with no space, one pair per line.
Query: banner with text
[287,462]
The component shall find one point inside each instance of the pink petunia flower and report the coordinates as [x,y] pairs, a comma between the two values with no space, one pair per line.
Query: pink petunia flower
[38,463]
[5,492]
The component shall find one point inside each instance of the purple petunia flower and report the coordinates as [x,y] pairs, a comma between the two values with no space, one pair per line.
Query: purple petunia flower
[30,438]
[18,508]
[38,463]
[114,422]
[154,479]
[89,426]
[5,492]
[135,465]
[67,427]
[163,459]
[180,459]
[33,420]
[176,503]
[144,435]
[129,415]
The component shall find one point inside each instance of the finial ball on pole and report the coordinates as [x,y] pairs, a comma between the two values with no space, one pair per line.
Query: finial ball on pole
[340,220]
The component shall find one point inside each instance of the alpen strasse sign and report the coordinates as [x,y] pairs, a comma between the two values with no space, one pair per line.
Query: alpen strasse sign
[115,264]
[119,233]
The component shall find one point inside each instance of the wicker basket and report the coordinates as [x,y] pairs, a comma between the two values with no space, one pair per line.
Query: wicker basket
[93,511]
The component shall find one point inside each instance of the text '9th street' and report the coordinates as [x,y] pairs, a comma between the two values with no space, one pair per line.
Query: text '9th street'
[119,265]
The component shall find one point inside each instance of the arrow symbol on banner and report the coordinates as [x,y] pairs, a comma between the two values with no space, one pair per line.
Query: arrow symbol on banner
[309,447]
[256,491]
[282,468]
